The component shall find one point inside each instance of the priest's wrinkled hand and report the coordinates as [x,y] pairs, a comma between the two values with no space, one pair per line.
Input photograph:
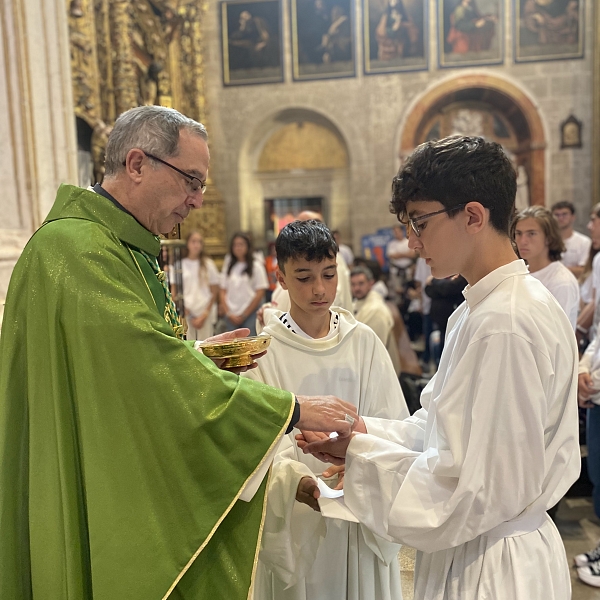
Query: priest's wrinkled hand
[326,413]
[340,471]
[227,337]
[308,492]
[329,450]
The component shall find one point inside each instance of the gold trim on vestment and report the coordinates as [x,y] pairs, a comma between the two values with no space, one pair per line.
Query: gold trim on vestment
[137,264]
[228,509]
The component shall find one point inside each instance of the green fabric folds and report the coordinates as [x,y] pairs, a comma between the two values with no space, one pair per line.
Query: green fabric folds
[122,449]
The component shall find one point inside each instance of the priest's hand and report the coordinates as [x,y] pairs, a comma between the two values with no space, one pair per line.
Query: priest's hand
[227,337]
[326,413]
[327,450]
[308,492]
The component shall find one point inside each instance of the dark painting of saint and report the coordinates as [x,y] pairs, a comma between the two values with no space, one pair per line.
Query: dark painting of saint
[471,32]
[251,42]
[394,34]
[548,30]
[322,39]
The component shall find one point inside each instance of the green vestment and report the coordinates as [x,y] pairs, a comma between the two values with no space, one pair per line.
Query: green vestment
[123,451]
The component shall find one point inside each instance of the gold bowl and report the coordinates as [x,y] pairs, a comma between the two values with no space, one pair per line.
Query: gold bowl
[238,352]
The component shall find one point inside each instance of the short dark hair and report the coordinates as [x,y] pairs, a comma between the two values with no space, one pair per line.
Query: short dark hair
[310,240]
[457,170]
[563,204]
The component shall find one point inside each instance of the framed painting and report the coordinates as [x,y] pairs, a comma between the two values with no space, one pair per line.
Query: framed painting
[251,42]
[470,32]
[548,29]
[395,35]
[323,44]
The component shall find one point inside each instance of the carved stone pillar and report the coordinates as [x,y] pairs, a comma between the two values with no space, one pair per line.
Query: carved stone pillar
[37,133]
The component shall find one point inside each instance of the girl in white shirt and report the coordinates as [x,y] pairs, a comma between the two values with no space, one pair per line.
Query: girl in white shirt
[200,288]
[243,285]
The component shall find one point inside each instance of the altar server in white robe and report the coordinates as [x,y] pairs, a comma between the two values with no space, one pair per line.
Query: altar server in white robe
[305,556]
[467,480]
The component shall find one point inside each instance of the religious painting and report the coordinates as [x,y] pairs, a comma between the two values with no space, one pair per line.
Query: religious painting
[470,32]
[548,29]
[570,133]
[322,39]
[395,35]
[251,39]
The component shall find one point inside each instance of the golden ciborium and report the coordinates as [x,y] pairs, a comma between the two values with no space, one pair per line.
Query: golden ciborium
[238,352]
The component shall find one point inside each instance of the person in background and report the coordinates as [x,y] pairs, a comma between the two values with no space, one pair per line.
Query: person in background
[200,288]
[345,250]
[271,268]
[422,275]
[400,257]
[539,242]
[243,285]
[577,245]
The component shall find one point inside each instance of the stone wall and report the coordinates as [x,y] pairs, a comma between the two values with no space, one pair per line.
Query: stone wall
[37,134]
[369,112]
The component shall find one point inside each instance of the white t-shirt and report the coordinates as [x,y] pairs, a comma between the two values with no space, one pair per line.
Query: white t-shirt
[563,285]
[196,286]
[577,250]
[239,288]
[395,247]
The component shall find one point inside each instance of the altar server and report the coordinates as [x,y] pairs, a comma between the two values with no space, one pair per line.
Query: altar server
[316,346]
[467,480]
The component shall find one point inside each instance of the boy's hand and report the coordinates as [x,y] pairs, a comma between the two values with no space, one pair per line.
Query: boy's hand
[308,492]
[340,471]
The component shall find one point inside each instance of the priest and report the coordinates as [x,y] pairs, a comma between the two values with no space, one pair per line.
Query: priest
[130,465]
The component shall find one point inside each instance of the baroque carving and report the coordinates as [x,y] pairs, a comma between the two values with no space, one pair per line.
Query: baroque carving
[127,53]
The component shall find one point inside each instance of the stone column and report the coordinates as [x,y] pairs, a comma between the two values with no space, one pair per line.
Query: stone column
[37,127]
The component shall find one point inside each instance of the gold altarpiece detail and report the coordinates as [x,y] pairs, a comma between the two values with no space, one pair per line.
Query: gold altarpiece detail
[127,53]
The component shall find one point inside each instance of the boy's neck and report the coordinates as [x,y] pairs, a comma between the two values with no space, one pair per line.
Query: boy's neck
[495,252]
[315,326]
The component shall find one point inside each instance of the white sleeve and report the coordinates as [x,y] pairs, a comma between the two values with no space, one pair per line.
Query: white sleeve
[473,475]
[260,280]
[567,295]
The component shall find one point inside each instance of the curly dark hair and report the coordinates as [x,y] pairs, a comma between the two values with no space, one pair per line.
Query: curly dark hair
[310,240]
[457,170]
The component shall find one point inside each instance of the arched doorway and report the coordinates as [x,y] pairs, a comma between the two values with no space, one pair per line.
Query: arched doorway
[295,160]
[485,105]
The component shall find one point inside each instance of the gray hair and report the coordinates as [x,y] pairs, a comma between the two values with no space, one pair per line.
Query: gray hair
[154,129]
[363,271]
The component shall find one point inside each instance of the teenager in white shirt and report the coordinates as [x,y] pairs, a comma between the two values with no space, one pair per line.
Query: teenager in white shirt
[200,288]
[467,480]
[243,285]
[577,245]
[540,244]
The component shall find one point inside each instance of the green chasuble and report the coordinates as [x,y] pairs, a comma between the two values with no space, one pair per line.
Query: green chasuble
[123,451]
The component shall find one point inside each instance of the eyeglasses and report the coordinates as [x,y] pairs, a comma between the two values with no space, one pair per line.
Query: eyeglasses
[193,183]
[414,223]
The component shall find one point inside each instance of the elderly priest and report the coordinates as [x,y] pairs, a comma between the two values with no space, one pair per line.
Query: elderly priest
[131,466]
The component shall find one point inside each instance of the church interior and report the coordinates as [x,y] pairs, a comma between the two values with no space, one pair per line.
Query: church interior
[309,105]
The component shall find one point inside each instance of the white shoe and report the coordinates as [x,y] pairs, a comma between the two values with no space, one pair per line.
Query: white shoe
[590,574]
[583,560]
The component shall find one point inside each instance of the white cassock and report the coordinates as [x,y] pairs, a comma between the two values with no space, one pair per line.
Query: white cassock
[280,301]
[305,556]
[468,478]
[373,311]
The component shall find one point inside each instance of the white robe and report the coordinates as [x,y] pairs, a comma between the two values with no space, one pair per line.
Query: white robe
[468,478]
[313,557]
[372,311]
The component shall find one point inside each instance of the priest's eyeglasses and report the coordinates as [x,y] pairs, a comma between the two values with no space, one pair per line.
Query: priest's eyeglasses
[414,223]
[193,182]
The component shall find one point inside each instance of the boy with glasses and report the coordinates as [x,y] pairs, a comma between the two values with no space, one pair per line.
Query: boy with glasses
[467,480]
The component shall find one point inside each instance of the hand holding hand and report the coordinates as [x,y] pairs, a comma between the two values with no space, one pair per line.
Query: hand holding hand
[327,450]
[340,471]
[326,413]
[308,493]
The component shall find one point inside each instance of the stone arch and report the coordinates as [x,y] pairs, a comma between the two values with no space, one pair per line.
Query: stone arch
[511,101]
[294,152]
